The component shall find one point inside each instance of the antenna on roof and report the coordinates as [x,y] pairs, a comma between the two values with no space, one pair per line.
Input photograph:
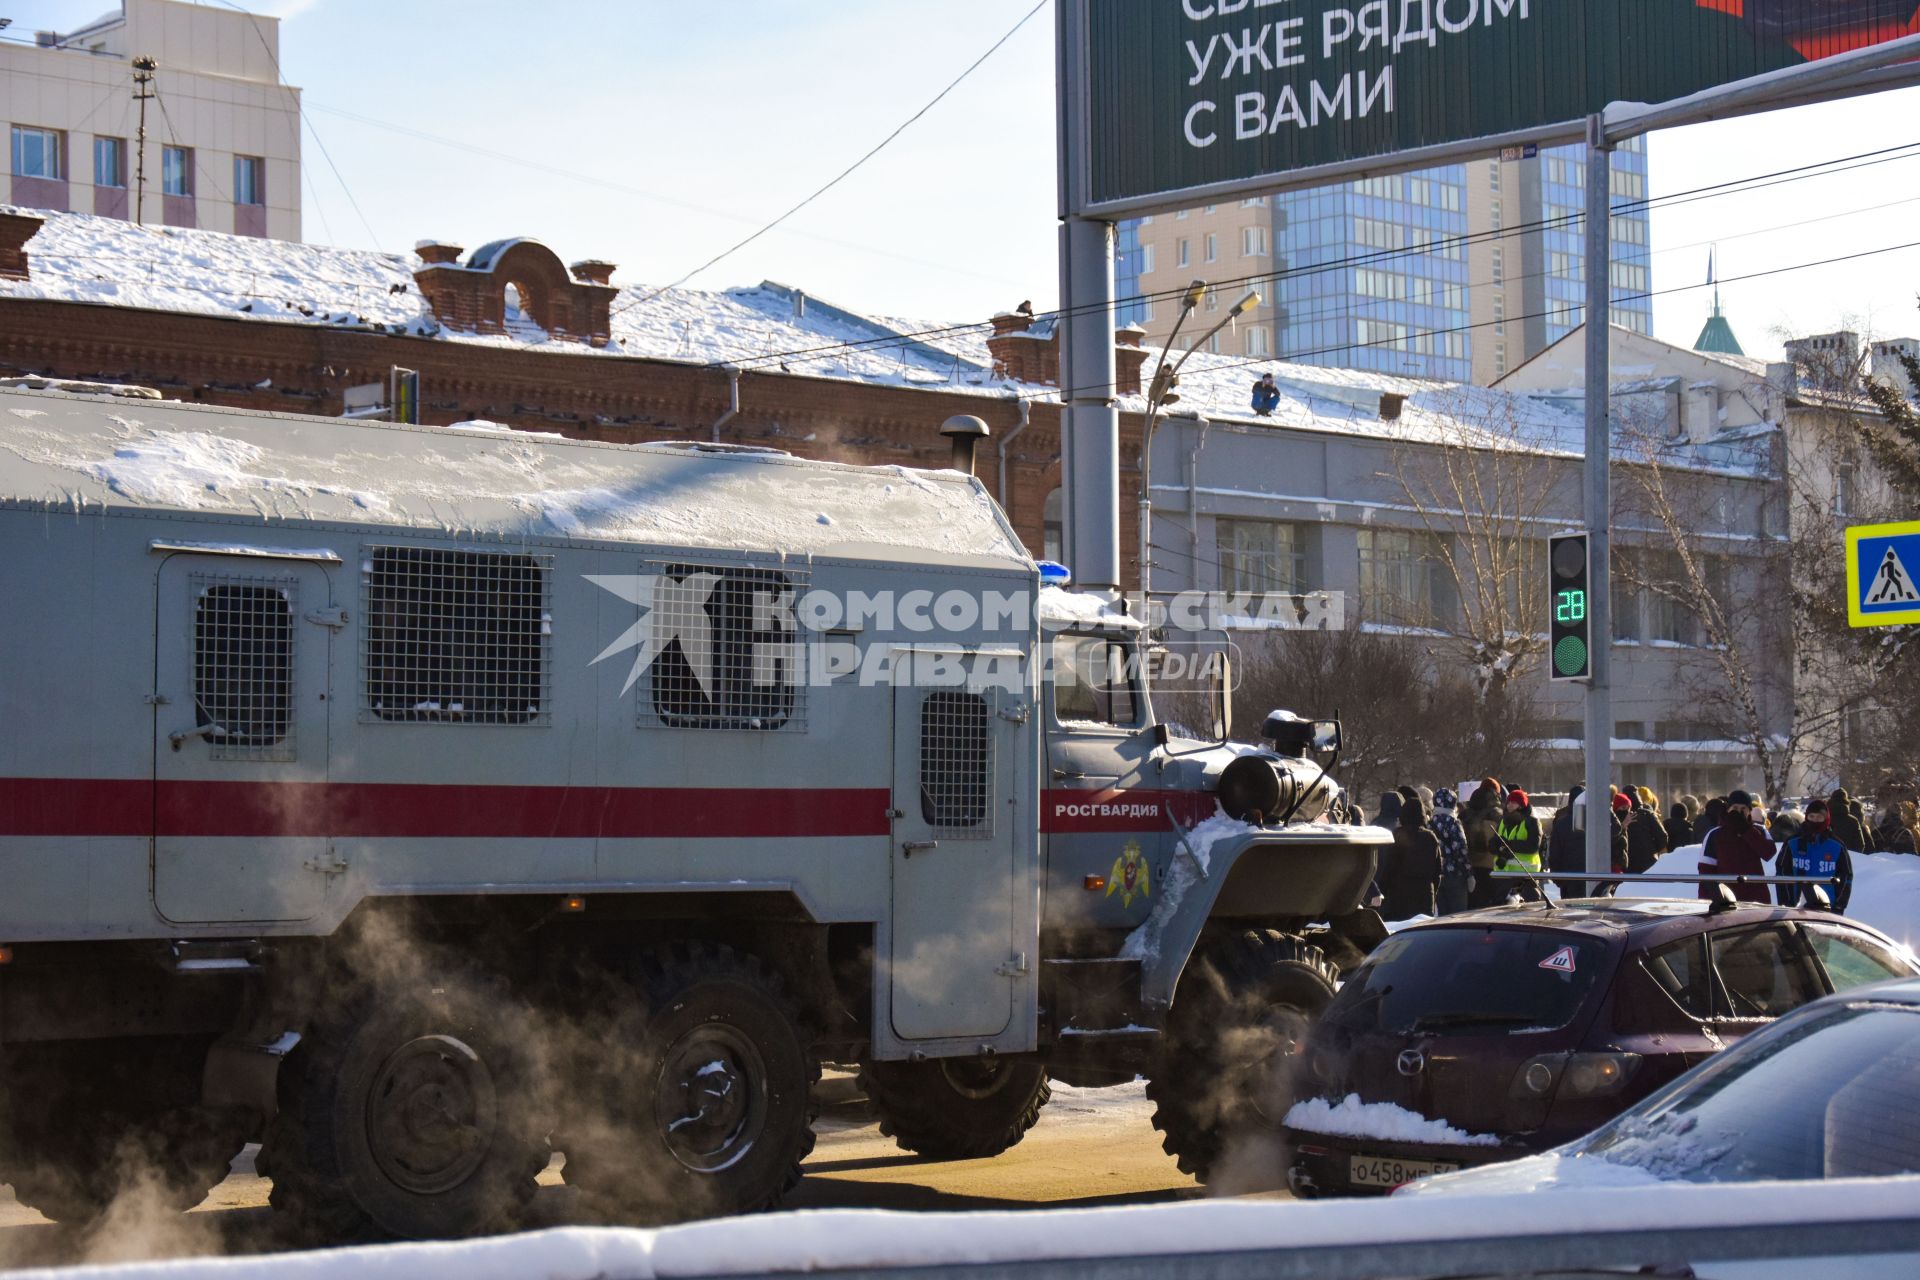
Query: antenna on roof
[143,68]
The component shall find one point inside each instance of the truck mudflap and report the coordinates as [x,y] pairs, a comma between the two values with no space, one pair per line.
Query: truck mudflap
[1302,872]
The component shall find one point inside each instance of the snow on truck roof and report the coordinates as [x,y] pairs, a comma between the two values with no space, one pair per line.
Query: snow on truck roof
[79,452]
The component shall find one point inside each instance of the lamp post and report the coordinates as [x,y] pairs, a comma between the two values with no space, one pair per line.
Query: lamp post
[1161,393]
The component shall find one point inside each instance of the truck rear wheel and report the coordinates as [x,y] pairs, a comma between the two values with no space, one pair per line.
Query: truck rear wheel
[1238,1022]
[703,1105]
[101,1119]
[414,1111]
[957,1108]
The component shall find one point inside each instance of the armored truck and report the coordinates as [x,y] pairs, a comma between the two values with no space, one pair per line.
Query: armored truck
[418,802]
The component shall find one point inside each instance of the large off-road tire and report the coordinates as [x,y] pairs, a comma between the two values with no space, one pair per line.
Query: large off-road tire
[957,1108]
[700,1104]
[1226,1068]
[82,1125]
[412,1111]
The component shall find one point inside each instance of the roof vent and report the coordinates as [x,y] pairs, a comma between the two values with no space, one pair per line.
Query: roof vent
[799,304]
[1391,403]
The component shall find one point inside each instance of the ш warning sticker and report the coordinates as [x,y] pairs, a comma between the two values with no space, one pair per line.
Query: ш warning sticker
[1560,961]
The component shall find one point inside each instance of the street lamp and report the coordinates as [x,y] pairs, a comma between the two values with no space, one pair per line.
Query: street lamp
[1162,392]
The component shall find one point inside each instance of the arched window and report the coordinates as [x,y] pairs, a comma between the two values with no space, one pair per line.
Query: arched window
[523,310]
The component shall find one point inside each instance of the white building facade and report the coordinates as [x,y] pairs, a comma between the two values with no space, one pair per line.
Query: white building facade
[222,149]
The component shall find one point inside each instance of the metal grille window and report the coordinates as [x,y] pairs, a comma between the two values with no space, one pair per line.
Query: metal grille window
[956,762]
[243,667]
[455,636]
[729,652]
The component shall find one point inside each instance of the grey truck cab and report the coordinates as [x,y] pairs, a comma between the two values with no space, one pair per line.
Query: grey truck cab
[417,801]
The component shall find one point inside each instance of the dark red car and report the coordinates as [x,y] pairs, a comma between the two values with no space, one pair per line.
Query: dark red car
[1494,1034]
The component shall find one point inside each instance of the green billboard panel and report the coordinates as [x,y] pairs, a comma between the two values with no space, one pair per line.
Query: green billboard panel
[1184,94]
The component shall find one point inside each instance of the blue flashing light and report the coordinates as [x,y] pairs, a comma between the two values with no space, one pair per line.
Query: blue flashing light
[1055,574]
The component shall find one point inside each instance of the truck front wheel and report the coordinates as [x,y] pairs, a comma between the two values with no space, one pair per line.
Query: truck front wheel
[957,1108]
[1225,1071]
[414,1110]
[699,1105]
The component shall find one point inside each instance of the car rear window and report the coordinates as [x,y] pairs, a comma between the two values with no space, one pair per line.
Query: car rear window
[1471,981]
[1836,1095]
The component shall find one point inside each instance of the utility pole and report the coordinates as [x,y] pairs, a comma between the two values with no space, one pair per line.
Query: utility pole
[143,68]
[1598,495]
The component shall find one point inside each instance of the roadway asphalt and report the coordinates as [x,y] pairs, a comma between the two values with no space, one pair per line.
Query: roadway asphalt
[1091,1147]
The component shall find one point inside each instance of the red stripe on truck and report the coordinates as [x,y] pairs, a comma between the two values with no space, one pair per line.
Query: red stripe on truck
[131,807]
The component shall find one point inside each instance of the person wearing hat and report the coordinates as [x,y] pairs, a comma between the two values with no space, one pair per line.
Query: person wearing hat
[1814,852]
[1517,842]
[1737,848]
[1646,834]
[1456,872]
[1844,823]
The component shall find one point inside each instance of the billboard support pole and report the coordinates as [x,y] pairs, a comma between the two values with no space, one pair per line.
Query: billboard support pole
[1090,426]
[1597,494]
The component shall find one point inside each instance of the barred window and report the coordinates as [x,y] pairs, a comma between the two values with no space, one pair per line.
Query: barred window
[455,636]
[243,668]
[737,624]
[956,761]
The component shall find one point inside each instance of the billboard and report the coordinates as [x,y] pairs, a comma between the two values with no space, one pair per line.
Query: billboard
[1187,94]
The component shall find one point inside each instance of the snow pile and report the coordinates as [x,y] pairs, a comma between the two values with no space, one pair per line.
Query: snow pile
[1200,841]
[1352,1118]
[1192,863]
[1551,1171]
[193,470]
[841,1240]
[1059,609]
[1886,889]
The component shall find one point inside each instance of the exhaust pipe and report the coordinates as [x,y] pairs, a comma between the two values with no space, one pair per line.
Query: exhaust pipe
[966,432]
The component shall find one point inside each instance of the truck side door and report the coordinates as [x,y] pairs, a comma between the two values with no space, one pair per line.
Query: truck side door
[959,856]
[242,656]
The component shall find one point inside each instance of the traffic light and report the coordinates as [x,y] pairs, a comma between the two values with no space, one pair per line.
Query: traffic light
[1569,583]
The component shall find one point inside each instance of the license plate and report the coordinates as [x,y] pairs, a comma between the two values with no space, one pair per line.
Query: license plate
[1385,1171]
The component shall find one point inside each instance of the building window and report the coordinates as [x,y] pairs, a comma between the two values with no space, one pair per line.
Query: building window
[455,637]
[1181,215]
[956,761]
[1053,526]
[1499,264]
[1212,246]
[1259,556]
[1255,203]
[1844,493]
[1253,242]
[1500,315]
[176,171]
[1259,340]
[1186,253]
[752,677]
[243,667]
[1400,577]
[250,185]
[109,162]
[38,153]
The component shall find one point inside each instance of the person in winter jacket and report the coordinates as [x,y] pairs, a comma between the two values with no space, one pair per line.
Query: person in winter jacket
[1456,873]
[1517,843]
[1566,848]
[1410,871]
[1388,814]
[1646,838]
[1266,397]
[1737,848]
[1895,832]
[1814,852]
[1846,824]
[1481,822]
[1679,828]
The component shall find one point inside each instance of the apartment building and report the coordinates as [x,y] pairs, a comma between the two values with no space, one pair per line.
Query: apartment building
[1462,272]
[222,148]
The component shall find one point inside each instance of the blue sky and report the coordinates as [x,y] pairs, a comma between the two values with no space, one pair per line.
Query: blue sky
[678,127]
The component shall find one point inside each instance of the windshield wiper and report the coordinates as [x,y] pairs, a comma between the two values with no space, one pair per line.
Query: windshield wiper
[1433,1021]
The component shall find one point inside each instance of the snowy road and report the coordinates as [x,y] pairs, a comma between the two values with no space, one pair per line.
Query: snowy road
[1091,1148]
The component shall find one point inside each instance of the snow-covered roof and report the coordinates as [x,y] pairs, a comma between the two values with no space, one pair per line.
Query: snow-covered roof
[73,452]
[89,259]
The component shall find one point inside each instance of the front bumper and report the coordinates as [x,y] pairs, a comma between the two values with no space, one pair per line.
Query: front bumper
[1327,1164]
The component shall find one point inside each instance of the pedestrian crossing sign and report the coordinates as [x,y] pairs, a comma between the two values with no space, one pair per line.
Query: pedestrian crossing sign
[1882,561]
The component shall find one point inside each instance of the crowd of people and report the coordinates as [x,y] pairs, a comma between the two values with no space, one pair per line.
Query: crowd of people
[1445,851]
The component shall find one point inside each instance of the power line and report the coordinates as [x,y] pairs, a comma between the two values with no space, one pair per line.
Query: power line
[640,192]
[1294,357]
[849,170]
[1805,172]
[280,78]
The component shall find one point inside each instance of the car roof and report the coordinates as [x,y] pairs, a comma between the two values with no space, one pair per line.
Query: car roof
[1896,991]
[1633,917]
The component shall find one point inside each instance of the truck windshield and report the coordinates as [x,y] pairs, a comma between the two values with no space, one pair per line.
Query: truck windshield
[1095,681]
[1470,981]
